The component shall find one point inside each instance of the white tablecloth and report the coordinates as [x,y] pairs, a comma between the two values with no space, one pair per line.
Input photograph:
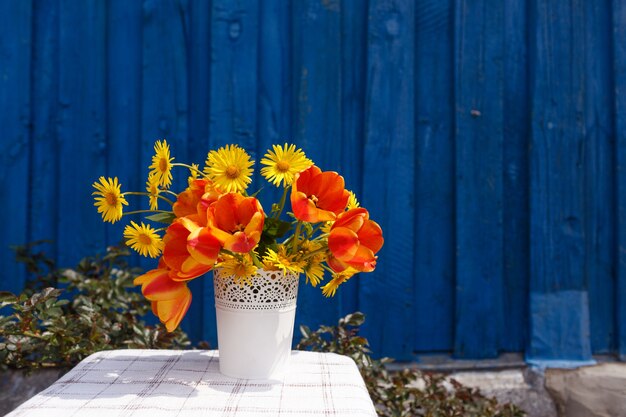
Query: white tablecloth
[188,383]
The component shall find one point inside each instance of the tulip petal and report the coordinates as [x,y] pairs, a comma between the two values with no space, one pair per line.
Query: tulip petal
[240,243]
[171,312]
[246,209]
[371,235]
[224,212]
[189,269]
[255,223]
[335,264]
[343,243]
[172,324]
[203,246]
[353,219]
[162,288]
[149,276]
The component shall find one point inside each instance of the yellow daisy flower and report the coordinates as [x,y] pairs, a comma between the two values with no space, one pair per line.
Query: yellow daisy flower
[281,261]
[283,163]
[109,199]
[229,168]
[152,187]
[161,166]
[352,201]
[143,239]
[241,269]
[339,278]
[314,271]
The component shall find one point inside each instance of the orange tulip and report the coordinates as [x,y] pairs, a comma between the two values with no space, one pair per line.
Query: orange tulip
[195,200]
[318,196]
[188,252]
[236,221]
[170,299]
[353,241]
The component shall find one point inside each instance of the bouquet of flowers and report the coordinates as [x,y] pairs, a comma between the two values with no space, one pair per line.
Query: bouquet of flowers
[214,222]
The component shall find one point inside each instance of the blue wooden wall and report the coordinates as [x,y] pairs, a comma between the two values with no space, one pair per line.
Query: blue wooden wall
[487,137]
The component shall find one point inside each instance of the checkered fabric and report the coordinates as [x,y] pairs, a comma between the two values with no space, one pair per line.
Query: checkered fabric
[169,383]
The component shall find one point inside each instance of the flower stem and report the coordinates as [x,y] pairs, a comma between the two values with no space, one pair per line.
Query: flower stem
[166,199]
[255,259]
[313,253]
[283,199]
[233,254]
[296,236]
[148,195]
[170,192]
[189,167]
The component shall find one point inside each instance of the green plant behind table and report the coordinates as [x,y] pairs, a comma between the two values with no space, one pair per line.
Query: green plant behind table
[96,310]
[406,393]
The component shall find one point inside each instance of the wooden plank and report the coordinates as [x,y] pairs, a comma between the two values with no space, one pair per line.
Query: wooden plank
[433,295]
[515,214]
[559,312]
[233,102]
[45,89]
[619,96]
[353,78]
[599,164]
[124,29]
[234,31]
[274,87]
[201,313]
[317,106]
[199,79]
[479,50]
[316,80]
[386,295]
[15,117]
[82,127]
[165,82]
[164,107]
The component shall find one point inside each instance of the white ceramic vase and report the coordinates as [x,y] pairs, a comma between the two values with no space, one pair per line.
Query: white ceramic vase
[255,323]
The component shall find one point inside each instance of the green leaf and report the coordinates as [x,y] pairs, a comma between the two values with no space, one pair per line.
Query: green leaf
[306,332]
[166,218]
[7,297]
[355,319]
[275,228]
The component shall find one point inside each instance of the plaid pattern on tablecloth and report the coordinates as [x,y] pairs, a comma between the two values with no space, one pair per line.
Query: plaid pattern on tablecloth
[159,383]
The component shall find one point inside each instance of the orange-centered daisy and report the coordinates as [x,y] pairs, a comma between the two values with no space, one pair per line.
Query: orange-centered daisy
[161,166]
[330,289]
[241,269]
[229,168]
[143,239]
[280,260]
[283,163]
[109,199]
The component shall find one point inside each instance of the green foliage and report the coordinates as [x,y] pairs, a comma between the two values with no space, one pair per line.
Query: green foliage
[273,229]
[102,312]
[166,218]
[405,393]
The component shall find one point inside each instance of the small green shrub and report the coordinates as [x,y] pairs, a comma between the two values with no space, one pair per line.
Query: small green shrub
[406,393]
[100,311]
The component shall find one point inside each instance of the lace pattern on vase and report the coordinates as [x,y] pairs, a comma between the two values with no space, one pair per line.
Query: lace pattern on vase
[268,290]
